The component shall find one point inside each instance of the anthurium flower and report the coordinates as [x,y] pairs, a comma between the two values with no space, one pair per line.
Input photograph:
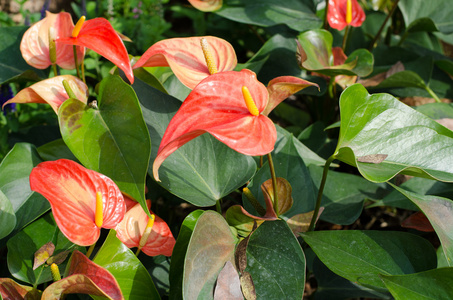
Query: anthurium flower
[52,92]
[130,231]
[218,106]
[82,200]
[98,35]
[342,13]
[186,58]
[35,42]
[207,5]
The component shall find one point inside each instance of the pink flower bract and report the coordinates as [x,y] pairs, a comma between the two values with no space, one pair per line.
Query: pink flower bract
[336,14]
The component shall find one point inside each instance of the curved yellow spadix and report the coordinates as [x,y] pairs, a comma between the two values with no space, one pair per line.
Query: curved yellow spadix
[249,101]
[78,26]
[147,232]
[208,56]
[99,214]
[348,12]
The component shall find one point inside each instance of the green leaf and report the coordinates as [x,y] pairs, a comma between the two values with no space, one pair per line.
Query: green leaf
[133,278]
[361,256]
[22,247]
[432,284]
[113,139]
[439,212]
[436,110]
[403,79]
[344,195]
[179,254]
[380,124]
[55,150]
[211,245]
[203,170]
[7,216]
[317,56]
[298,15]
[12,65]
[276,262]
[15,170]
[439,11]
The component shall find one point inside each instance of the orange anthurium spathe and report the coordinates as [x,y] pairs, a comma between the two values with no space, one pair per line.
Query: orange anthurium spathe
[338,16]
[52,92]
[34,45]
[98,35]
[73,191]
[186,59]
[218,106]
[130,231]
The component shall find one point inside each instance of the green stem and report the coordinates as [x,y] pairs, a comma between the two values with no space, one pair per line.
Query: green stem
[258,207]
[68,90]
[378,34]
[55,71]
[345,37]
[274,183]
[430,91]
[90,250]
[137,252]
[74,49]
[325,15]
[320,191]
[218,206]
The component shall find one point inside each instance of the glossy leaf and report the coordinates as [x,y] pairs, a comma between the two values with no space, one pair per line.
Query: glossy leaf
[316,48]
[439,211]
[72,191]
[433,284]
[242,222]
[98,35]
[361,256]
[186,59]
[211,246]
[15,170]
[9,289]
[337,11]
[43,254]
[35,42]
[298,15]
[7,216]
[380,124]
[439,11]
[12,63]
[52,92]
[277,268]
[211,5]
[209,185]
[112,139]
[84,277]
[179,254]
[22,247]
[133,278]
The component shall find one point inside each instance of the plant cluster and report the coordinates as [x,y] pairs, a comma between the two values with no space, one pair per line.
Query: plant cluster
[226,158]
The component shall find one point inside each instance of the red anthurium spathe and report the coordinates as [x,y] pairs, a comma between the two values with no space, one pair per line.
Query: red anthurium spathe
[186,59]
[130,231]
[73,192]
[207,5]
[337,14]
[35,42]
[98,35]
[52,92]
[217,106]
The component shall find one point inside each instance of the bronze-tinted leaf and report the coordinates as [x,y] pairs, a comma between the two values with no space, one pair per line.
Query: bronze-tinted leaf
[285,200]
[43,254]
[300,222]
[248,287]
[11,290]
[228,285]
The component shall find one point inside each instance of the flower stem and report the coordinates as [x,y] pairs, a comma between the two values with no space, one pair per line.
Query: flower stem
[55,71]
[325,15]
[74,49]
[378,34]
[320,191]
[274,183]
[90,250]
[218,206]
[345,37]
[431,92]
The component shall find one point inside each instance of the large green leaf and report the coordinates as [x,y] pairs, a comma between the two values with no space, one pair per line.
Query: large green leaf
[133,278]
[439,11]
[12,65]
[7,216]
[22,247]
[15,170]
[432,284]
[203,170]
[276,262]
[211,245]
[179,254]
[361,256]
[383,137]
[317,52]
[298,15]
[112,139]
[439,211]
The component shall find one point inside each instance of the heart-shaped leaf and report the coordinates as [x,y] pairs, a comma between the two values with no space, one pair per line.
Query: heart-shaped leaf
[211,246]
[274,256]
[112,139]
[380,124]
[361,256]
[433,284]
[9,289]
[439,11]
[7,216]
[228,285]
[133,278]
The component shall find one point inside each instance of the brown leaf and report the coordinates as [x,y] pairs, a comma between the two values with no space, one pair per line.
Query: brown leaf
[58,258]
[446,123]
[285,200]
[43,254]
[396,68]
[372,158]
[248,287]
[11,290]
[228,285]
[300,223]
[240,256]
[300,54]
[419,222]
